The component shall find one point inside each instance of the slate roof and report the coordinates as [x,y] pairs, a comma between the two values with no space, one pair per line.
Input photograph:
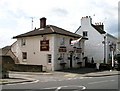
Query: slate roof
[49,29]
[99,28]
[5,50]
[5,59]
[111,36]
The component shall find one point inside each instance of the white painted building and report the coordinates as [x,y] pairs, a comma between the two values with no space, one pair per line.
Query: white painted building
[99,42]
[49,46]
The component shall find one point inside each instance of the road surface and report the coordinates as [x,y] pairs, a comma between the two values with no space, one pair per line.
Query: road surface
[105,83]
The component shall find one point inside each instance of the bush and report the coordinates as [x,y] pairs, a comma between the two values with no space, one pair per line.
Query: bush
[118,67]
[118,58]
[91,65]
[105,66]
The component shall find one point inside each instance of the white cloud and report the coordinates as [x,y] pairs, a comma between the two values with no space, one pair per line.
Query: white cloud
[15,14]
[6,37]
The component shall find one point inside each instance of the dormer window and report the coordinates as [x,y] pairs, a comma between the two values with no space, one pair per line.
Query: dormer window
[85,33]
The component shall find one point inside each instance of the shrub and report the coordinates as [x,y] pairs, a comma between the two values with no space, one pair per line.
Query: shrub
[105,66]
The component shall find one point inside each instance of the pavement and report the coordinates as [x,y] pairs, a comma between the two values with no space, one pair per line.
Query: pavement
[22,77]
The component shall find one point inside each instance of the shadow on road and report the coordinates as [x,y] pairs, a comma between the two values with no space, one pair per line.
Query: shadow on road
[79,70]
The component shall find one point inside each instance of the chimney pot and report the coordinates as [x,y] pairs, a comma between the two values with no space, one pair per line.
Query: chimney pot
[42,22]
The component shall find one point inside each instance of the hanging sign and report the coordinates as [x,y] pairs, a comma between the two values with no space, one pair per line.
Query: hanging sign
[62,49]
[79,50]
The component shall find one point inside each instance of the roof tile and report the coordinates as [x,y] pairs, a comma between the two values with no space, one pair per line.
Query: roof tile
[49,29]
[99,28]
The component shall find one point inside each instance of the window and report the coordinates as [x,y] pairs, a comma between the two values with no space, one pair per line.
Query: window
[85,33]
[62,56]
[23,42]
[49,58]
[24,55]
[70,41]
[79,44]
[62,42]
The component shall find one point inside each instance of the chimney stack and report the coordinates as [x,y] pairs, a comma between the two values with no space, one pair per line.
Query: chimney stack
[42,22]
[100,24]
[87,20]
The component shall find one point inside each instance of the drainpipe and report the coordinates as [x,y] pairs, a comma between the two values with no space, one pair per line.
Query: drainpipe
[53,53]
[106,47]
[112,59]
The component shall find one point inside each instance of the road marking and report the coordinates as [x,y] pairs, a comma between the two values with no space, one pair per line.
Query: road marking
[101,81]
[73,86]
[24,82]
[50,88]
[60,87]
[36,81]
[70,75]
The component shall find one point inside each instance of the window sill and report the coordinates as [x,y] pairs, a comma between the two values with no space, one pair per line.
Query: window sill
[24,60]
[49,63]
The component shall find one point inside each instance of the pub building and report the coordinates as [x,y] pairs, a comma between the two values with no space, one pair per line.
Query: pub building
[49,46]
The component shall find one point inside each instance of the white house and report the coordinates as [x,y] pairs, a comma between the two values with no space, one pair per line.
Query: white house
[99,43]
[49,46]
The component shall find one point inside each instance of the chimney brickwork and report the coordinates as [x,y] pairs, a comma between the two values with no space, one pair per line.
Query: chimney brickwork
[42,22]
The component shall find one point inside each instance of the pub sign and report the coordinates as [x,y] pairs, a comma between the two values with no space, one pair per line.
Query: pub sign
[44,45]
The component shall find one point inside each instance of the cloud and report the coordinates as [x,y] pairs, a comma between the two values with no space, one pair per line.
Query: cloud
[15,15]
[113,28]
[6,37]
[60,12]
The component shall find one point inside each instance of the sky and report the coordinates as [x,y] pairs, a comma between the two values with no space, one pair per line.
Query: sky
[16,15]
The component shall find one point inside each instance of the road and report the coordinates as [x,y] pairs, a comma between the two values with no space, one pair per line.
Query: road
[106,83]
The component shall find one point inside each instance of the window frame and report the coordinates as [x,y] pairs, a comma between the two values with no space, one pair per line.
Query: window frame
[49,58]
[70,41]
[24,55]
[62,41]
[85,33]
[23,42]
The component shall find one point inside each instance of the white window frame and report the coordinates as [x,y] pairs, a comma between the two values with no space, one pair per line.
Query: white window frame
[23,42]
[49,57]
[62,41]
[24,58]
